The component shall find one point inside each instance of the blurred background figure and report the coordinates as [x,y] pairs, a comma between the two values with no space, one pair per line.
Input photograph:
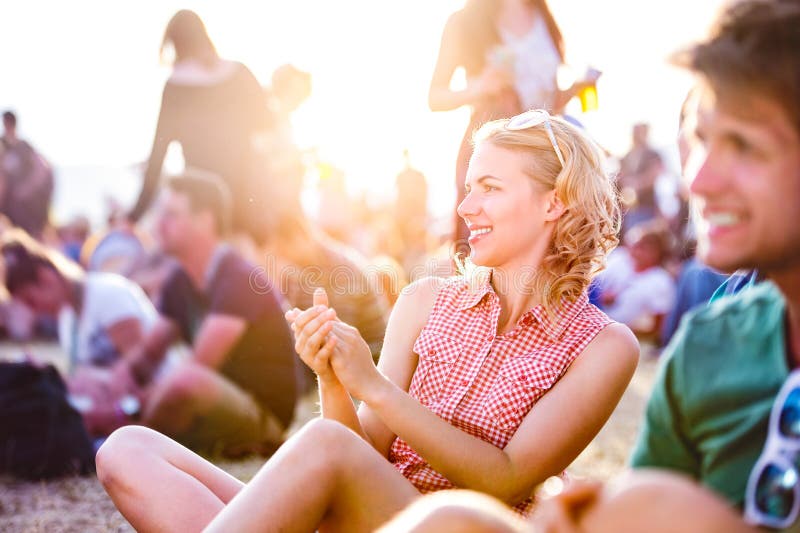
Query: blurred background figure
[696,283]
[236,393]
[27,181]
[411,216]
[214,108]
[283,160]
[73,235]
[639,170]
[301,256]
[511,51]
[100,316]
[647,293]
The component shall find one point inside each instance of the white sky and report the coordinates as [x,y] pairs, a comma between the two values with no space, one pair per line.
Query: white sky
[85,79]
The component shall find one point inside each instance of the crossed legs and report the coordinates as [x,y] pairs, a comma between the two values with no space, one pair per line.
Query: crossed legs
[325,477]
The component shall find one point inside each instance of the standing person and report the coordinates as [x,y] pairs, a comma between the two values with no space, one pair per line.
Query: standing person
[638,172]
[27,181]
[214,108]
[511,51]
[237,392]
[493,380]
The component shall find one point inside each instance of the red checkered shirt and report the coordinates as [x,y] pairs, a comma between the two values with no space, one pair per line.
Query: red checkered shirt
[484,383]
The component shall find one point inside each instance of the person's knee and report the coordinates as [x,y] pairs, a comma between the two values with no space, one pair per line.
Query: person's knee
[329,433]
[120,452]
[459,511]
[682,505]
[333,437]
[182,386]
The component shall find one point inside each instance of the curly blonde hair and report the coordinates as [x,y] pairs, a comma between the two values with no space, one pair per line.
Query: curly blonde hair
[589,227]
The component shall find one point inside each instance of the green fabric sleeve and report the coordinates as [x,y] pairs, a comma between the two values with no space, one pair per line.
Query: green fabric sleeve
[662,441]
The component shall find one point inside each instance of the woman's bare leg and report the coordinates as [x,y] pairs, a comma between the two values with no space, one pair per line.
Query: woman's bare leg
[158,485]
[326,477]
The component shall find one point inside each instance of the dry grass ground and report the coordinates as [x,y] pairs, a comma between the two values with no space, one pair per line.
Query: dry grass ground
[79,505]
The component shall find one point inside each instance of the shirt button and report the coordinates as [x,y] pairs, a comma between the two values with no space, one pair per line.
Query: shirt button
[527,321]
[464,382]
[431,352]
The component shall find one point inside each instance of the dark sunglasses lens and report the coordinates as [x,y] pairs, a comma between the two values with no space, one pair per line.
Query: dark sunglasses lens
[790,415]
[775,491]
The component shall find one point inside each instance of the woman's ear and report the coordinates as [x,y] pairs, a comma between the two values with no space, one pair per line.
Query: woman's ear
[555,207]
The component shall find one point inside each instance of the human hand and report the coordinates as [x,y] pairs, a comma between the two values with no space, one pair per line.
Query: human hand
[122,381]
[335,351]
[312,340]
[95,392]
[351,360]
[492,80]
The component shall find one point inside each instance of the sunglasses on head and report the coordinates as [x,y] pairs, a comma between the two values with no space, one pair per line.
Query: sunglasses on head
[531,119]
[772,497]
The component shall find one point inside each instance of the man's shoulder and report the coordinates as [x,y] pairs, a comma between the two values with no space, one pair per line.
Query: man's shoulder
[755,301]
[107,285]
[728,328]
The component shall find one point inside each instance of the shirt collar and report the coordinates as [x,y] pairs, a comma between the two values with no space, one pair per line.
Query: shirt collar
[554,327]
[479,285]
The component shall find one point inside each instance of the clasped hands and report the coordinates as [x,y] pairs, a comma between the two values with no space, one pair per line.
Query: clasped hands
[334,350]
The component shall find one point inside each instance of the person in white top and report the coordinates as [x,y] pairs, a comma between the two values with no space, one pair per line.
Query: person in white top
[109,302]
[101,316]
[647,295]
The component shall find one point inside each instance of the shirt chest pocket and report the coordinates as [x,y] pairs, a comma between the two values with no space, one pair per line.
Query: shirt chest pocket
[520,382]
[437,357]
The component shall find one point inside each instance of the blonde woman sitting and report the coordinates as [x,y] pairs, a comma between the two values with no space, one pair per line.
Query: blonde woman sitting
[491,381]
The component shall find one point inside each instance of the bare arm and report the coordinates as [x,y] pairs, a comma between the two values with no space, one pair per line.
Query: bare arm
[549,438]
[125,334]
[144,358]
[398,360]
[216,338]
[311,328]
[591,387]
[152,176]
[440,96]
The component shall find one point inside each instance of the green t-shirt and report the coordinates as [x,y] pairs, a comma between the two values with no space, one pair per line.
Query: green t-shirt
[709,410]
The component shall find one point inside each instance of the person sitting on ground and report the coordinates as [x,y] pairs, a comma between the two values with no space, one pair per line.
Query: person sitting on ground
[237,392]
[648,292]
[101,318]
[493,380]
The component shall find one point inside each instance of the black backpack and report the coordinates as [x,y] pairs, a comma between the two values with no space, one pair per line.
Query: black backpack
[41,434]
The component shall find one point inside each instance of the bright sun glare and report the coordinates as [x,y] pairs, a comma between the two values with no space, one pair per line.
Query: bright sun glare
[93,96]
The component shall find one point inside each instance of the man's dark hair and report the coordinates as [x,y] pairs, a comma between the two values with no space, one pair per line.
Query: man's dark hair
[10,118]
[22,259]
[206,192]
[753,48]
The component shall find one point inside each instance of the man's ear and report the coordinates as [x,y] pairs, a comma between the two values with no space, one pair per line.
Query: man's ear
[555,207]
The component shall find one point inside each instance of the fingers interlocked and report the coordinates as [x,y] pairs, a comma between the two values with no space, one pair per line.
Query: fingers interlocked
[313,339]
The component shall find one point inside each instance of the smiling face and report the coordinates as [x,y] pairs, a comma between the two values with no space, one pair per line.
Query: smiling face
[745,177]
[510,216]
